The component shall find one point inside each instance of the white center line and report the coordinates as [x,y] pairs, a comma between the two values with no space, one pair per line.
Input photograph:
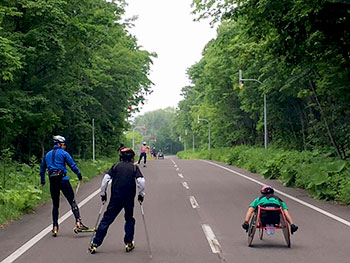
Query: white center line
[177,169]
[180,175]
[339,219]
[213,242]
[194,202]
[185,185]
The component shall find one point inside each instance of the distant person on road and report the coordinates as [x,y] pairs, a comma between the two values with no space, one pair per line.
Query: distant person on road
[268,198]
[143,154]
[55,162]
[125,178]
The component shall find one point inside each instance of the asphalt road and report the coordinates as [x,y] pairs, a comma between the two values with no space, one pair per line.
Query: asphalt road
[194,210]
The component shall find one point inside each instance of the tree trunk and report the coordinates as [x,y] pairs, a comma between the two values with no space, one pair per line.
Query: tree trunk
[325,121]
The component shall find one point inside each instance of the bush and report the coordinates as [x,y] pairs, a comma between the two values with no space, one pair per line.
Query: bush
[324,177]
[20,189]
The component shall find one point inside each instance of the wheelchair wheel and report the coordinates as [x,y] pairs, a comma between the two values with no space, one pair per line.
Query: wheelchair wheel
[285,229]
[252,228]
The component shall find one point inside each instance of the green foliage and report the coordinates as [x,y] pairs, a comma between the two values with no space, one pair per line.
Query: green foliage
[157,128]
[23,191]
[62,64]
[303,67]
[323,177]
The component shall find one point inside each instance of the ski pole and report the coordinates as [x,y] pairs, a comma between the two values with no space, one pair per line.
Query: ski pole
[144,223]
[98,219]
[77,189]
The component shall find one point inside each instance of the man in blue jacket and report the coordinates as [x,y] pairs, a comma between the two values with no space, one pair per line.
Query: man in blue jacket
[55,162]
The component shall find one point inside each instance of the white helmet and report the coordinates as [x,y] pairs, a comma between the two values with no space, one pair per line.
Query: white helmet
[59,139]
[144,143]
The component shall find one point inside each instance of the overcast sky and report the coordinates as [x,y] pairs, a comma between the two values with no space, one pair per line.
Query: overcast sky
[166,27]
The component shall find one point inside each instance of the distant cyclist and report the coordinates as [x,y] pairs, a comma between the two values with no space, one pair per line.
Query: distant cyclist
[268,198]
[55,162]
[143,154]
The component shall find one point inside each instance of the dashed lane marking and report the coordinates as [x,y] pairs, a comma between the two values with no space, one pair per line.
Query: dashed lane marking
[213,242]
[194,202]
[185,185]
[180,175]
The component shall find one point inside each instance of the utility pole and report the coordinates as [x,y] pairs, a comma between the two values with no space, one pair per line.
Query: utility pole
[240,84]
[199,119]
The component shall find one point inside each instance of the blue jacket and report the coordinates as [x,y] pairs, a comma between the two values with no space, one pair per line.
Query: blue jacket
[61,159]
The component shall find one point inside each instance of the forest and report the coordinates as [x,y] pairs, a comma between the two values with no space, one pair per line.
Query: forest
[71,67]
[64,65]
[297,54]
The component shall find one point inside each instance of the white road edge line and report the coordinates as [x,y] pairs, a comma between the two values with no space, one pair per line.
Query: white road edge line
[337,218]
[213,242]
[184,184]
[194,202]
[44,232]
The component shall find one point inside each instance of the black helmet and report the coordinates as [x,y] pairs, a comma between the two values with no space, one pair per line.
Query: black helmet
[267,190]
[59,139]
[126,154]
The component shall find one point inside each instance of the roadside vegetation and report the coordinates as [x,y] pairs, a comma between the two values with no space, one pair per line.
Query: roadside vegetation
[324,177]
[20,188]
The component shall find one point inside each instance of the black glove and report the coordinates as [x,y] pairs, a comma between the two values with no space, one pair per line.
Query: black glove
[104,198]
[245,226]
[80,177]
[293,228]
[140,198]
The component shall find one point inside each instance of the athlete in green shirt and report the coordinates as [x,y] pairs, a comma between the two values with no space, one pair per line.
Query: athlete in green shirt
[268,198]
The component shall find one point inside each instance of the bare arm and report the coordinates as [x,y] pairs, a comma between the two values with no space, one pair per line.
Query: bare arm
[249,214]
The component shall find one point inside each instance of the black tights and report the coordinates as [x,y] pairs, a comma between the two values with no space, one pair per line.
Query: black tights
[57,185]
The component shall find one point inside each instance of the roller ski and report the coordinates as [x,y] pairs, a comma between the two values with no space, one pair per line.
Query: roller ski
[129,246]
[54,231]
[80,227]
[92,248]
[87,230]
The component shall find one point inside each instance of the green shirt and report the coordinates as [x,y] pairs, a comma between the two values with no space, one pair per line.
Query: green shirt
[265,201]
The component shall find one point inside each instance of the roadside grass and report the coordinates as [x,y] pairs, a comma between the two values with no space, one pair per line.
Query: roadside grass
[324,177]
[21,192]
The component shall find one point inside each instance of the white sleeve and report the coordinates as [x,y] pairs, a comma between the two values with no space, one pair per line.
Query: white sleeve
[140,183]
[104,183]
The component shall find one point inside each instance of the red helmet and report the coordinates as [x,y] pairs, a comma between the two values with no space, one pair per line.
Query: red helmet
[267,190]
[127,154]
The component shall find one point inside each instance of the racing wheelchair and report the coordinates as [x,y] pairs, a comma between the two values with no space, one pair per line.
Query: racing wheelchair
[268,217]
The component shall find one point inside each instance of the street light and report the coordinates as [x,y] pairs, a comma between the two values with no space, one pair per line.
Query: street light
[199,119]
[240,83]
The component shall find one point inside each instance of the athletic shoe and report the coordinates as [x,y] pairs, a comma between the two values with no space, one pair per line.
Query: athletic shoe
[129,246]
[80,226]
[54,231]
[92,248]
